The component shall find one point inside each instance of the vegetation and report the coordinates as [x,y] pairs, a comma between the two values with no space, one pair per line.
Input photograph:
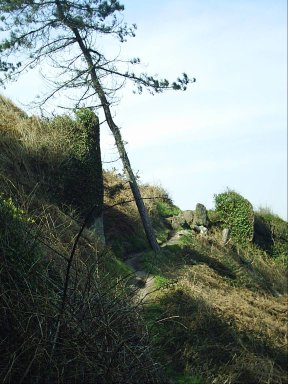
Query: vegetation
[237,213]
[68,303]
[66,315]
[271,234]
[51,30]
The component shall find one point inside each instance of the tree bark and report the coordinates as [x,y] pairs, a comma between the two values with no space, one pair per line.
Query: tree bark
[132,181]
[115,131]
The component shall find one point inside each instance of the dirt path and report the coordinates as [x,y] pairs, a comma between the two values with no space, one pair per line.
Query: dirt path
[142,280]
[174,237]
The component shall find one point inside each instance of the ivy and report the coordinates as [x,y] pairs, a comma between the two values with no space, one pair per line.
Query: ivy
[237,214]
[9,208]
[82,177]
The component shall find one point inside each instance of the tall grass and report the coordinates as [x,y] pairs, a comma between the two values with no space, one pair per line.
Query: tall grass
[66,315]
[218,316]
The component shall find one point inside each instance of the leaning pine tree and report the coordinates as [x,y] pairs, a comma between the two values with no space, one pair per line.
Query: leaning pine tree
[65,33]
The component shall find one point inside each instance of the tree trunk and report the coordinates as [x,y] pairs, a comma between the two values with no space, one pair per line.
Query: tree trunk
[116,133]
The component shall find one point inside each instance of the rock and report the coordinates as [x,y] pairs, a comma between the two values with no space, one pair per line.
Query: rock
[177,222]
[188,216]
[203,231]
[225,236]
[200,216]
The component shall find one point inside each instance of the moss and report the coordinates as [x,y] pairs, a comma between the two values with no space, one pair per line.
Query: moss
[167,209]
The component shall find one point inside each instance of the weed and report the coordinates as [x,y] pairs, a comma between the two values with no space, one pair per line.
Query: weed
[161,281]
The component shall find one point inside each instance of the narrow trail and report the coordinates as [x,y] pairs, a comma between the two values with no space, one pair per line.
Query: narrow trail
[143,280]
[173,238]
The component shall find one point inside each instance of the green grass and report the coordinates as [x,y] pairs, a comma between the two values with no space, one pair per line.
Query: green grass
[188,379]
[116,266]
[166,209]
[161,281]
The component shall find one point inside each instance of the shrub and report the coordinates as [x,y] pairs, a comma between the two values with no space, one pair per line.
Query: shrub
[236,212]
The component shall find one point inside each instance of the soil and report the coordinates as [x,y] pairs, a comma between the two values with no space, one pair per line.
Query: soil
[142,280]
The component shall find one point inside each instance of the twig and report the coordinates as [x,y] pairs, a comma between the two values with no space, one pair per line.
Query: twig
[67,277]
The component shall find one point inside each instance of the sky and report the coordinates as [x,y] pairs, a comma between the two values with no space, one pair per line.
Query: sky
[229,129]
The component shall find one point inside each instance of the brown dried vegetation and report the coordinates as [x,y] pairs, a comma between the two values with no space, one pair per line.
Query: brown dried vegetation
[221,317]
[66,315]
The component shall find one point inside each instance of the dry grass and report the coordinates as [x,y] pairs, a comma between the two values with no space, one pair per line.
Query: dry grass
[97,336]
[223,320]
[92,333]
[32,154]
[121,215]
[255,323]
[36,135]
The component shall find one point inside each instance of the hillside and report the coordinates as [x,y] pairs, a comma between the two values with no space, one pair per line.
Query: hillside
[71,307]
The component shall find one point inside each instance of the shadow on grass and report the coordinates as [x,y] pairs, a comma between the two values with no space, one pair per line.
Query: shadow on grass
[192,337]
[232,266]
[174,257]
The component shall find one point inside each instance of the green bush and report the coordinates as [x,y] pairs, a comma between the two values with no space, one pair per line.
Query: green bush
[237,214]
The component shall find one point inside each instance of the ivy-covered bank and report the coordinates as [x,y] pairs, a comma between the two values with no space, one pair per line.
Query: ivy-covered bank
[237,215]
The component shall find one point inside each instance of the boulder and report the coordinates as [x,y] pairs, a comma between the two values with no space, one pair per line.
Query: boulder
[225,236]
[200,216]
[203,231]
[177,222]
[188,216]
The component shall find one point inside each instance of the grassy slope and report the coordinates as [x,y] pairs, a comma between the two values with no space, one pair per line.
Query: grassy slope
[216,319]
[54,329]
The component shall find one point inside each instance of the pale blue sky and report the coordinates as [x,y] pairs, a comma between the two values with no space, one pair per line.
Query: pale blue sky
[229,129]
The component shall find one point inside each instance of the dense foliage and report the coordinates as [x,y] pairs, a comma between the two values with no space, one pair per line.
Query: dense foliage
[83,166]
[17,242]
[93,333]
[237,214]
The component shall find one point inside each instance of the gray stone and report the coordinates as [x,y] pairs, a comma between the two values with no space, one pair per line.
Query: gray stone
[188,216]
[225,236]
[177,222]
[200,216]
[203,231]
